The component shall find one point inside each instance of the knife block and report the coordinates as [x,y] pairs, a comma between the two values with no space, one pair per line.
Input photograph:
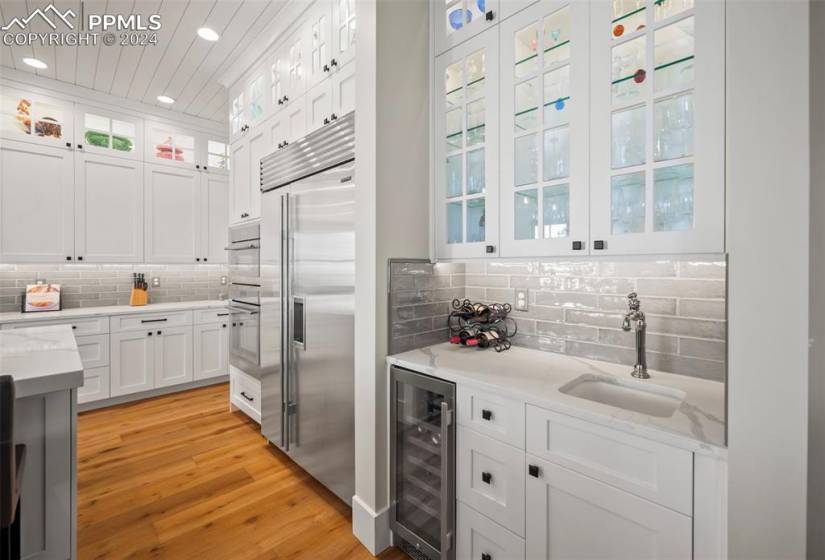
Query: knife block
[139,297]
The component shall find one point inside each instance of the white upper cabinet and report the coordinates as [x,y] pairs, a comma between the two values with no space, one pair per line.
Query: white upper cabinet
[168,145]
[343,90]
[239,200]
[36,203]
[173,215]
[657,118]
[544,128]
[343,33]
[317,39]
[237,115]
[455,21]
[214,218]
[30,117]
[108,209]
[216,159]
[319,105]
[258,99]
[296,51]
[110,134]
[466,148]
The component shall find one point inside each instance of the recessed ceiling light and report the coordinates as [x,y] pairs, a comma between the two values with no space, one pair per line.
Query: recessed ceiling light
[35,63]
[208,34]
[165,99]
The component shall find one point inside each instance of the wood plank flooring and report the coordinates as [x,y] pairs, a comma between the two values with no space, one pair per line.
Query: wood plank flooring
[179,477]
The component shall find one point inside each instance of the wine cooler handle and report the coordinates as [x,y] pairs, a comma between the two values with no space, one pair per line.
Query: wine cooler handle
[446,469]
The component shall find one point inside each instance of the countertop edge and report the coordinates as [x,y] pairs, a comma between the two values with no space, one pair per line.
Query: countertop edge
[652,433]
[51,383]
[108,311]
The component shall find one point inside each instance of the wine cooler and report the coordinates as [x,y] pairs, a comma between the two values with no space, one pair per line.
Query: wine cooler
[422,464]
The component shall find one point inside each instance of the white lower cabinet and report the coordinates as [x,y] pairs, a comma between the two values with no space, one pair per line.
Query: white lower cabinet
[245,394]
[211,354]
[536,484]
[173,356]
[95,385]
[574,516]
[133,362]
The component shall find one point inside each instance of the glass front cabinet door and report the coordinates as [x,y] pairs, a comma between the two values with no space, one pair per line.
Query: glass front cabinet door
[544,128]
[455,21]
[657,126]
[466,148]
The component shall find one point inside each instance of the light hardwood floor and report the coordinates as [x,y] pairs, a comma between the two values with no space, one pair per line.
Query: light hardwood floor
[179,477]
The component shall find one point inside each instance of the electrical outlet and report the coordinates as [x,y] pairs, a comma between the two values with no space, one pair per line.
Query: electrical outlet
[223,280]
[522,300]
[155,282]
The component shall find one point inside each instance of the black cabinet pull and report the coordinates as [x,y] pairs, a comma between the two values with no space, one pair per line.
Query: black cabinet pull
[533,470]
[153,320]
[286,98]
[487,414]
[286,143]
[333,117]
[333,62]
[599,244]
[68,258]
[326,68]
[326,120]
[247,397]
[223,314]
[489,15]
[485,556]
[281,101]
[486,478]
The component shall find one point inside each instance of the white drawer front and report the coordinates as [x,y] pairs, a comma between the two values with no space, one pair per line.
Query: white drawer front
[658,472]
[478,538]
[498,417]
[206,316]
[80,327]
[246,393]
[95,385]
[151,321]
[93,350]
[490,478]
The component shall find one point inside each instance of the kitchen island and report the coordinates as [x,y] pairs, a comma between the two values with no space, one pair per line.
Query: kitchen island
[47,371]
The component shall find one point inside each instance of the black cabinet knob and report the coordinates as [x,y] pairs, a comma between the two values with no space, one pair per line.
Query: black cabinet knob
[205,259]
[286,98]
[333,117]
[68,258]
[486,478]
[149,333]
[234,324]
[333,62]
[489,15]
[160,332]
[533,470]
[281,101]
[80,258]
[490,249]
[198,259]
[326,120]
[487,414]
[578,245]
[224,325]
[80,146]
[240,324]
[326,68]
[286,143]
[68,144]
[599,244]
[485,556]
[74,327]
[197,167]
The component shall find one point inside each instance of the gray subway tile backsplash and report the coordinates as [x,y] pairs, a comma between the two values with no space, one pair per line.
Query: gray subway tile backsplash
[95,285]
[576,307]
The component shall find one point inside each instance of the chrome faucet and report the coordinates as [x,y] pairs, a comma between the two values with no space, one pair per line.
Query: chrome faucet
[635,314]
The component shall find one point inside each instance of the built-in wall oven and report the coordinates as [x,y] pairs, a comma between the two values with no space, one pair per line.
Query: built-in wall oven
[245,297]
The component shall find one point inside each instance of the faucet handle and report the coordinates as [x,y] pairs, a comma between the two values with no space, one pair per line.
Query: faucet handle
[633,302]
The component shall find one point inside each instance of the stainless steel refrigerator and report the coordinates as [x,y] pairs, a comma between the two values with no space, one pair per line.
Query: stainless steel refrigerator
[307,265]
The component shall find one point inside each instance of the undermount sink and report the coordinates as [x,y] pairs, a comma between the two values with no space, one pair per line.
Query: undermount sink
[628,394]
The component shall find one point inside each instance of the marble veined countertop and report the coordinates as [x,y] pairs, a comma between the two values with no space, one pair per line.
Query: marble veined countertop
[75,313]
[41,359]
[536,377]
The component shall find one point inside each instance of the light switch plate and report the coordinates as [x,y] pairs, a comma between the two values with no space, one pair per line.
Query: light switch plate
[522,300]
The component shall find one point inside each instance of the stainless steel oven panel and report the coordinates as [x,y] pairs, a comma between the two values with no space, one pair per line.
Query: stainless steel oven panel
[244,232]
[244,252]
[245,293]
[244,338]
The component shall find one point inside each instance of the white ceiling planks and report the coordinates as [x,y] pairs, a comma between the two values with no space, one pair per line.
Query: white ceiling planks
[41,52]
[65,58]
[195,60]
[182,65]
[87,55]
[192,98]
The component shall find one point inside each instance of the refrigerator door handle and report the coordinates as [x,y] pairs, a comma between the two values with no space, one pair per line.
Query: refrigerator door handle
[285,310]
[446,469]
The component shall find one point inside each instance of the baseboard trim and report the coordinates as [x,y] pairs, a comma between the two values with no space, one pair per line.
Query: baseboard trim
[94,405]
[371,528]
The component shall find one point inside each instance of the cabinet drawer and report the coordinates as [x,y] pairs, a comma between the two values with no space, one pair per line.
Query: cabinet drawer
[490,478]
[498,417]
[95,385]
[478,536]
[150,321]
[80,327]
[207,316]
[245,393]
[93,350]
[658,472]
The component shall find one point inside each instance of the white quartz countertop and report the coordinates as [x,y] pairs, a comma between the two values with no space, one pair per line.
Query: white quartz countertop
[536,377]
[75,313]
[40,359]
